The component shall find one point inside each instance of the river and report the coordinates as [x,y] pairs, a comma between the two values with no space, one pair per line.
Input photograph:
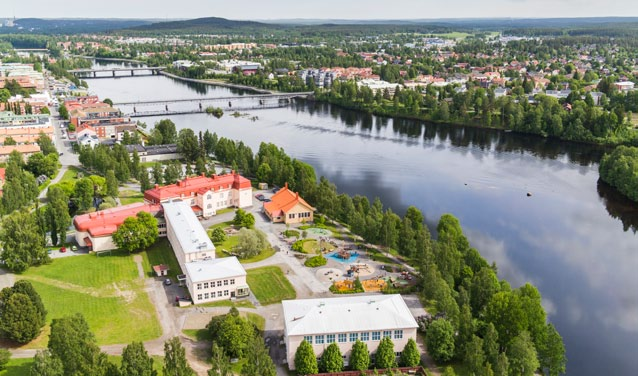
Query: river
[573,238]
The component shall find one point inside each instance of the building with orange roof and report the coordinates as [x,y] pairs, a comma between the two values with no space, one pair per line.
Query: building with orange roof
[206,195]
[95,230]
[25,150]
[288,207]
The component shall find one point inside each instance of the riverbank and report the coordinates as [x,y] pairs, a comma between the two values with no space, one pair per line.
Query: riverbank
[110,59]
[217,83]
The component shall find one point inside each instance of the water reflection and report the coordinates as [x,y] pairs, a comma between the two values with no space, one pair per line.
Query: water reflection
[619,206]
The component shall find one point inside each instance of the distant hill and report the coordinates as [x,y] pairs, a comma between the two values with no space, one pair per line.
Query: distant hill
[70,26]
[203,24]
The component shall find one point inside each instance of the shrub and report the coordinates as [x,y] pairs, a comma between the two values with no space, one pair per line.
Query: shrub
[316,261]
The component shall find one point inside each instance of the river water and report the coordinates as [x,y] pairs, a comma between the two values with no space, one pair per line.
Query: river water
[573,238]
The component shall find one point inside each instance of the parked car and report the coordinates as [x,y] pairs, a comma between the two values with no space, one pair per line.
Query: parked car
[168,282]
[266,200]
[275,189]
[259,197]
[63,249]
[74,248]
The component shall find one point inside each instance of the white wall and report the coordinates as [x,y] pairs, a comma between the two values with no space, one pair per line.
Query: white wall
[213,290]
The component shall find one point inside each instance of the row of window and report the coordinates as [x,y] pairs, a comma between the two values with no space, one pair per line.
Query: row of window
[206,285]
[353,337]
[212,295]
[301,215]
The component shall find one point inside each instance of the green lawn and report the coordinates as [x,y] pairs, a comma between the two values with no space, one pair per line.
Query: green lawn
[198,334]
[255,319]
[228,303]
[270,285]
[71,174]
[161,253]
[106,290]
[130,197]
[17,367]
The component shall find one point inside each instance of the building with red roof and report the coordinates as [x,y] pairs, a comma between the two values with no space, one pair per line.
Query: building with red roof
[206,195]
[95,230]
[288,207]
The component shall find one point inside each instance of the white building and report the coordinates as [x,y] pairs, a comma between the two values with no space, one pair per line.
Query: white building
[207,279]
[218,279]
[376,85]
[345,320]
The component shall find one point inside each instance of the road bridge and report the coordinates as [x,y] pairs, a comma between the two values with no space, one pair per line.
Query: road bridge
[168,112]
[261,97]
[88,73]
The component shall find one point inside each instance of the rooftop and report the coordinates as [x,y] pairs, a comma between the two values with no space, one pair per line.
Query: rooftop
[284,200]
[189,232]
[346,314]
[105,222]
[226,267]
[30,148]
[197,185]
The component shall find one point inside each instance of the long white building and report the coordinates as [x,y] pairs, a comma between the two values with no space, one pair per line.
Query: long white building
[207,279]
[345,320]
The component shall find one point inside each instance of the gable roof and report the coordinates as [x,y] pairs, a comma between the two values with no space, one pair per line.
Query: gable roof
[105,222]
[346,314]
[284,200]
[199,184]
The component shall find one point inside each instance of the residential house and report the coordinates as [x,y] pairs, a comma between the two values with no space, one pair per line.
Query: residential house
[26,151]
[154,153]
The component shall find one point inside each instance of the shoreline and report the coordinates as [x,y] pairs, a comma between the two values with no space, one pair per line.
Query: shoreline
[216,83]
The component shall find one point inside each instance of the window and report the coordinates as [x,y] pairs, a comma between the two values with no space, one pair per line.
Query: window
[342,337]
[232,281]
[354,337]
[225,292]
[219,283]
[319,340]
[199,296]
[330,338]
[398,334]
[376,336]
[219,294]
[291,216]
[225,282]
[205,295]
[209,196]
[387,333]
[205,285]
[210,206]
[308,339]
[199,286]
[397,354]
[365,336]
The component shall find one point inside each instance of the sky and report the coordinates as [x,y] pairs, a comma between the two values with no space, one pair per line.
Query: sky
[325,9]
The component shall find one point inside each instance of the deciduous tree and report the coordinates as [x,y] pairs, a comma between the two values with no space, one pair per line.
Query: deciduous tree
[359,357]
[439,340]
[45,364]
[331,360]
[305,359]
[410,356]
[522,356]
[551,353]
[175,363]
[384,357]
[136,361]
[23,246]
[259,361]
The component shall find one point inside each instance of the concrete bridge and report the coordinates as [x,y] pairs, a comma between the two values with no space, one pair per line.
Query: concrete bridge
[201,110]
[88,73]
[261,97]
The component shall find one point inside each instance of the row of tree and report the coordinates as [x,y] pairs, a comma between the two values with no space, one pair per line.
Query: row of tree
[332,361]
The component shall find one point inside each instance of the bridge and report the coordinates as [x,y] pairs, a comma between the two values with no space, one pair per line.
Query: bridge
[93,72]
[168,112]
[261,97]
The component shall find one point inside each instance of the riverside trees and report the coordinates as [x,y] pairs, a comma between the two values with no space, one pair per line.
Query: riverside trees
[620,170]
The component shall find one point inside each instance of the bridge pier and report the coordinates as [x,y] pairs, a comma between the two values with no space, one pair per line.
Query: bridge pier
[132,74]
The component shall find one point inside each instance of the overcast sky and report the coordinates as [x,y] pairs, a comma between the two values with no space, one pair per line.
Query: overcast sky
[334,9]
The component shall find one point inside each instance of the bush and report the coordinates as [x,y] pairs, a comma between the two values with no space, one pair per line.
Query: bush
[316,261]
[298,246]
[218,235]
[291,233]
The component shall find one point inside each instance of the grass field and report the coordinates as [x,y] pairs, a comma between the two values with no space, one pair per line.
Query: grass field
[17,367]
[228,303]
[198,334]
[130,197]
[454,35]
[270,285]
[255,319]
[106,290]
[160,253]
[71,174]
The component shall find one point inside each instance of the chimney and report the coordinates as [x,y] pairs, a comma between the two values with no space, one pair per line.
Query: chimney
[232,172]
[203,174]
[297,195]
[286,185]
[179,183]
[214,176]
[156,186]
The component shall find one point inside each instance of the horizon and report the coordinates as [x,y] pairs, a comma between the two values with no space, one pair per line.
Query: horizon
[355,10]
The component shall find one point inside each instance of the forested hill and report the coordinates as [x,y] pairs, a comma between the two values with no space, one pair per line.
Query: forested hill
[204,24]
[70,26]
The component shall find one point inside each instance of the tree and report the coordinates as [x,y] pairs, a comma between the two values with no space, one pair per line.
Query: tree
[157,173]
[449,371]
[502,365]
[58,212]
[359,357]
[136,361]
[167,130]
[112,188]
[243,219]
[410,356]
[21,321]
[23,246]
[439,340]
[305,360]
[551,353]
[522,356]
[83,194]
[218,235]
[64,113]
[145,184]
[139,232]
[75,346]
[220,362]
[384,357]
[46,145]
[490,345]
[187,144]
[259,361]
[250,243]
[108,101]
[5,355]
[39,164]
[233,333]
[45,364]
[473,356]
[9,141]
[506,313]
[24,287]
[331,360]
[175,363]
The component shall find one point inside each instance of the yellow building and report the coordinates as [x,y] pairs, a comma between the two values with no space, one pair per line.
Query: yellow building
[286,206]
